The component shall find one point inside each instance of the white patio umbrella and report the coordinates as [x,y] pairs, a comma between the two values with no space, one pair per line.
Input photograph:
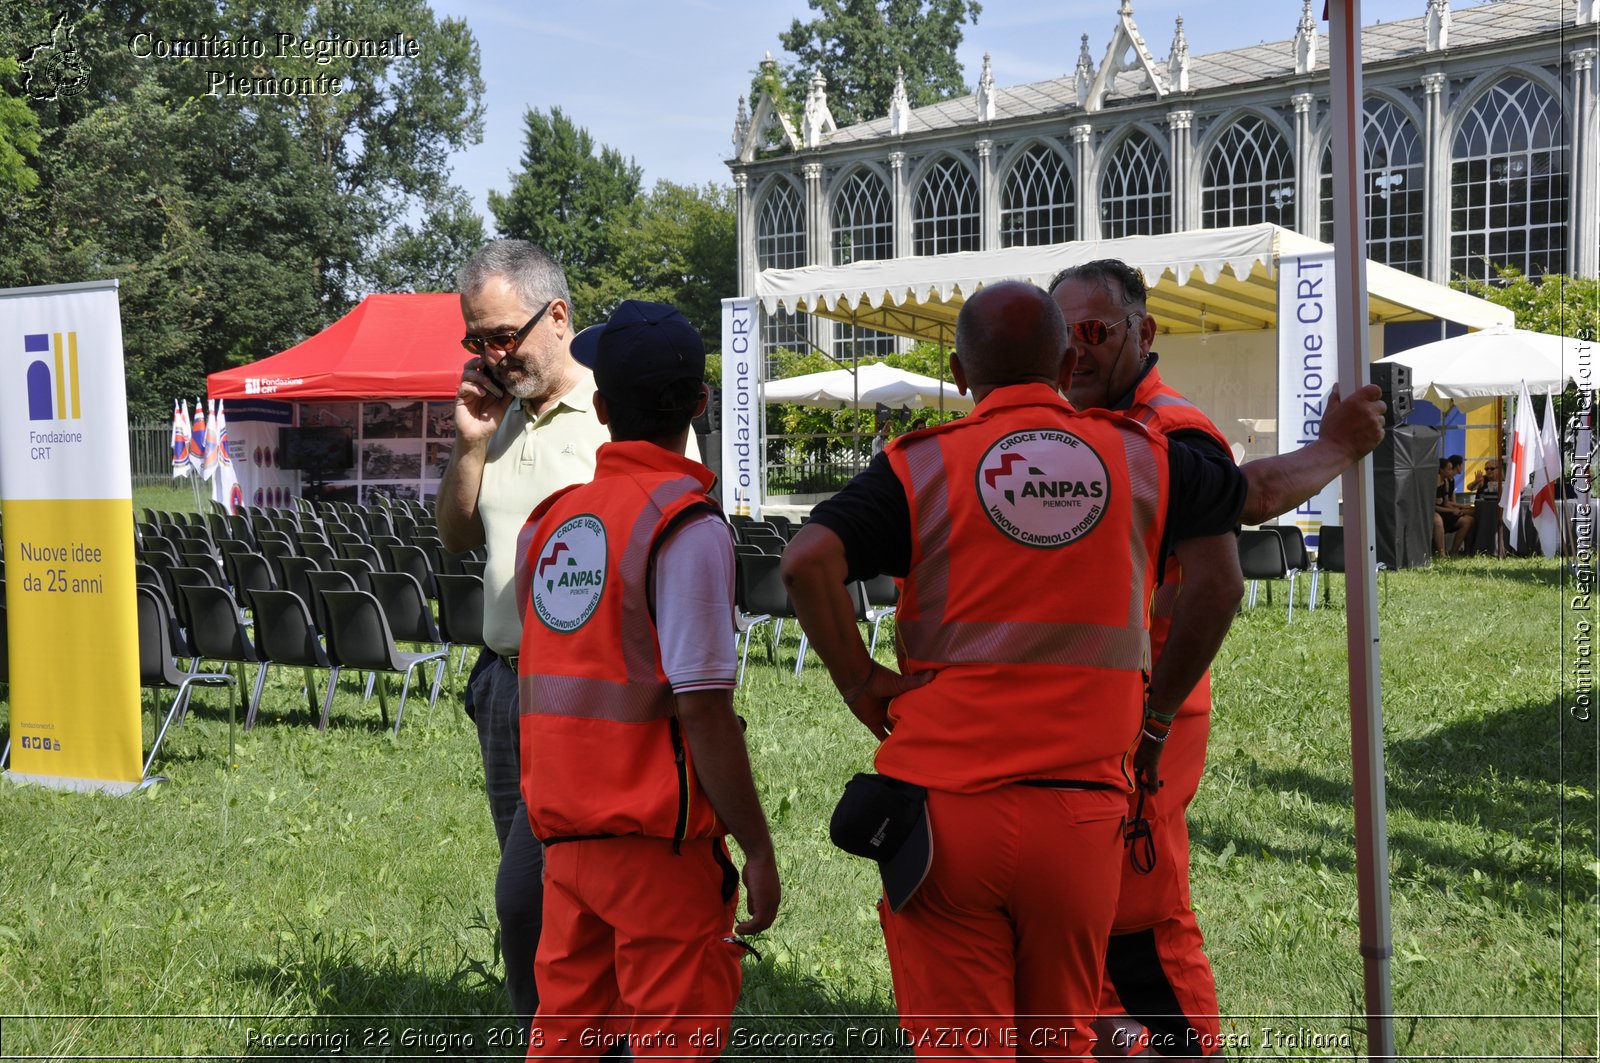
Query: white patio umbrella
[871,384]
[1491,363]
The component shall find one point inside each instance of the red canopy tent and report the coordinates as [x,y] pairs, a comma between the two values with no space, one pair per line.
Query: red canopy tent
[390,346]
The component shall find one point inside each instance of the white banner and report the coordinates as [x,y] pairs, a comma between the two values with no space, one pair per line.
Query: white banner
[742,415]
[1308,368]
[68,495]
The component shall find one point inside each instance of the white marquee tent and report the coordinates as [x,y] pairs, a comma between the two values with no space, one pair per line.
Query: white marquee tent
[871,383]
[1203,282]
[1492,363]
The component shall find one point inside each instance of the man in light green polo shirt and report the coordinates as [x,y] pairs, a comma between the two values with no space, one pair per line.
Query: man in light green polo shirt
[525,427]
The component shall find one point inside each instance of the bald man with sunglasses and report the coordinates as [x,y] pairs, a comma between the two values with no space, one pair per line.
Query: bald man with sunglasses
[1159,992]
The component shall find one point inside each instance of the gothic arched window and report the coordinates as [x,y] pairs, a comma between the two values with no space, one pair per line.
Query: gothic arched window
[1509,184]
[1392,176]
[862,231]
[1248,177]
[945,211]
[1036,206]
[863,220]
[1136,190]
[781,244]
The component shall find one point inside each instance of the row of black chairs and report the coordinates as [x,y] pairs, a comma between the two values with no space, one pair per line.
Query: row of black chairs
[292,591]
[761,598]
[1279,553]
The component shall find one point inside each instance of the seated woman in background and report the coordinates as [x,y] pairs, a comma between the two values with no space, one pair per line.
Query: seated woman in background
[1487,482]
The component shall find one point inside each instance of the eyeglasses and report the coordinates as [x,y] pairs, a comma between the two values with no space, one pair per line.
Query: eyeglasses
[504,343]
[1094,331]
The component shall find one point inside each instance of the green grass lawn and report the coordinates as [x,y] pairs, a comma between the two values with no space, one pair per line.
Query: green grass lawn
[337,888]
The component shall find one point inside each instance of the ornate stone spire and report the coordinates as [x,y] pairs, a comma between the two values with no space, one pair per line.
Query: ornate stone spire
[741,125]
[899,105]
[986,92]
[1438,25]
[1178,60]
[1083,74]
[1305,42]
[818,119]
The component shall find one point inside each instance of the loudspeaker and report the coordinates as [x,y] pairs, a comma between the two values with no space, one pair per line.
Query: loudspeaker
[1394,380]
[1405,470]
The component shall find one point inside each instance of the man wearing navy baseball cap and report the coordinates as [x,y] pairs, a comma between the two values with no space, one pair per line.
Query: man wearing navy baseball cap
[634,768]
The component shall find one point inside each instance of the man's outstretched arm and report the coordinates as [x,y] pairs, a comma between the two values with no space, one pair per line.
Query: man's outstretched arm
[1351,429]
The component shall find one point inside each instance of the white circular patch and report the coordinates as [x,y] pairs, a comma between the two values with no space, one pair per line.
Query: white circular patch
[570,574]
[1043,487]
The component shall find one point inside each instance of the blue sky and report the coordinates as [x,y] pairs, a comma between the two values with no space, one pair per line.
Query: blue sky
[661,81]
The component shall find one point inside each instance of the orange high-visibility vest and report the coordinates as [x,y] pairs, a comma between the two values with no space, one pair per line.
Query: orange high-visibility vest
[602,753]
[1036,532]
[1165,411]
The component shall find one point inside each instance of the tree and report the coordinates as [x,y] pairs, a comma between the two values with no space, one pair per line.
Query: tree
[19,135]
[565,198]
[1557,304]
[237,221]
[425,258]
[674,245]
[859,44]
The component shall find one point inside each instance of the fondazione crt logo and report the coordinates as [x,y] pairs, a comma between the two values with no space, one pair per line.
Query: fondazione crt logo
[52,378]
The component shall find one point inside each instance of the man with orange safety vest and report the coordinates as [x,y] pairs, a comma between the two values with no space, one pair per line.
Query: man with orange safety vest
[1157,974]
[634,767]
[1030,539]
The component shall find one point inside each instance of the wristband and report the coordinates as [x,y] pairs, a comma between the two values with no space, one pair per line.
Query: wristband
[1165,718]
[1153,736]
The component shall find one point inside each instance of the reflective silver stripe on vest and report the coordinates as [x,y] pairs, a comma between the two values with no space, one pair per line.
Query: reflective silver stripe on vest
[1144,479]
[927,636]
[594,699]
[638,637]
[1156,401]
[643,696]
[1005,642]
[925,462]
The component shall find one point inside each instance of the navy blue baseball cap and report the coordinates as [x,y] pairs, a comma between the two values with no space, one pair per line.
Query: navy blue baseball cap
[640,352]
[886,820]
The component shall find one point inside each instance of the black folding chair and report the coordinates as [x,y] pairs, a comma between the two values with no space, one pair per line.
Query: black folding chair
[1331,558]
[461,612]
[159,671]
[414,563]
[1294,552]
[359,637]
[296,577]
[217,634]
[410,619]
[1261,558]
[286,634]
[760,597]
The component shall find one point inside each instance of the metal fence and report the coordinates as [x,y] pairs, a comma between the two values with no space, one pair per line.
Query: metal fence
[814,464]
[150,453]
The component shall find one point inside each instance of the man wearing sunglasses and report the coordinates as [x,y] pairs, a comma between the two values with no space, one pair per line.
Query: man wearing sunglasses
[1157,974]
[1029,539]
[525,428]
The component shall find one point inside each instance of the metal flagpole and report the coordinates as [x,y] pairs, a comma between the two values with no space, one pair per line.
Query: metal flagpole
[1366,693]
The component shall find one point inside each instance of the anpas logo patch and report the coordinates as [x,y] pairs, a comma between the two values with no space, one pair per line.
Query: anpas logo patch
[570,575]
[1043,487]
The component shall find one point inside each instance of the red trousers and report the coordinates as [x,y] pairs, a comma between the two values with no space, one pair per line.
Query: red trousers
[635,949]
[1156,968]
[1000,953]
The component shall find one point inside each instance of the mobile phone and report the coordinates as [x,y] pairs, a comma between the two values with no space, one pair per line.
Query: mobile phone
[493,385]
